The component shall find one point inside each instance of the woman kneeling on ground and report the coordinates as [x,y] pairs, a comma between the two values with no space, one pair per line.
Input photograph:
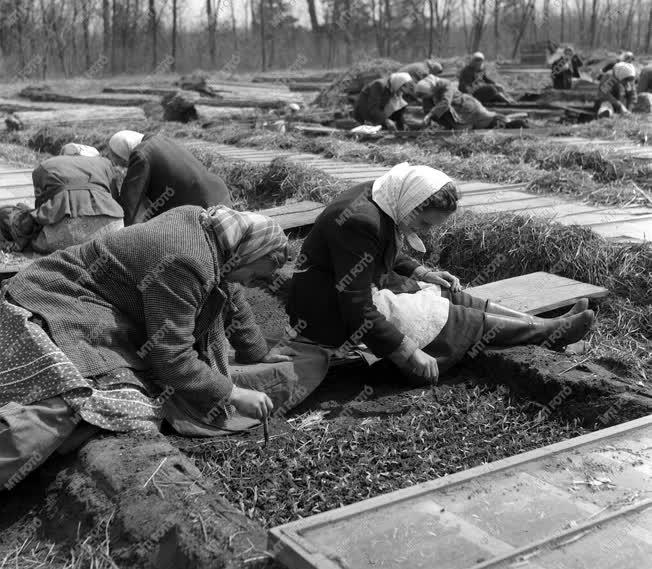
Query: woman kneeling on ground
[354,285]
[103,334]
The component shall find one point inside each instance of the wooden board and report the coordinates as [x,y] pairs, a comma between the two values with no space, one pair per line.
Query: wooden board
[110,100]
[580,503]
[535,293]
[87,114]
[295,215]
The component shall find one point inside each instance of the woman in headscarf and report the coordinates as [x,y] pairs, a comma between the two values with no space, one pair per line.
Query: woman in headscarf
[369,292]
[564,65]
[74,202]
[444,104]
[102,335]
[161,175]
[421,69]
[616,92]
[473,80]
[381,102]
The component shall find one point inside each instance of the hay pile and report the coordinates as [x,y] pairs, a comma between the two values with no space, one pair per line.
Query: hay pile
[353,80]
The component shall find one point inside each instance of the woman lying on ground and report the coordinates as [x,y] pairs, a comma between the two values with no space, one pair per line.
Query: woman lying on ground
[354,283]
[101,335]
[74,202]
[161,175]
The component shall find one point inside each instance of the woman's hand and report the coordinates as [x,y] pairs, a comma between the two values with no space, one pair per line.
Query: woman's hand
[390,125]
[442,278]
[423,365]
[277,355]
[250,403]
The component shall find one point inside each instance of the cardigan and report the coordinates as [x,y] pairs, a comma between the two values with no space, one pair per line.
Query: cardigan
[351,247]
[149,298]
[162,175]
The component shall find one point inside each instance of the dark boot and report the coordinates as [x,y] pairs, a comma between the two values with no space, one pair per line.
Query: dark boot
[494,308]
[504,331]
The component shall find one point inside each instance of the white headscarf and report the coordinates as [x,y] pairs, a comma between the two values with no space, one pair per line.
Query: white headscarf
[624,71]
[122,143]
[74,149]
[404,188]
[396,102]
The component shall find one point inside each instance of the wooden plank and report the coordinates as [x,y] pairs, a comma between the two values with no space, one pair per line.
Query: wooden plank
[295,215]
[486,198]
[88,114]
[537,292]
[538,206]
[640,230]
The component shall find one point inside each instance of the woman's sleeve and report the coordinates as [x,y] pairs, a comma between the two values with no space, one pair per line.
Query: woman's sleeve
[405,265]
[242,331]
[171,302]
[353,249]
[134,186]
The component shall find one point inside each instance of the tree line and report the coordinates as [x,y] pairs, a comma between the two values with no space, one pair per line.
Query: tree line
[42,38]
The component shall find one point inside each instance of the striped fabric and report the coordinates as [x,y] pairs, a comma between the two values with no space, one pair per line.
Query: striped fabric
[244,236]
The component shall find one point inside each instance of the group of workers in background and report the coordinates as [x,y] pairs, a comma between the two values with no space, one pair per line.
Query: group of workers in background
[78,195]
[384,101]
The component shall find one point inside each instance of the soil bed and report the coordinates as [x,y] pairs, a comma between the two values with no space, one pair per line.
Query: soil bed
[363,437]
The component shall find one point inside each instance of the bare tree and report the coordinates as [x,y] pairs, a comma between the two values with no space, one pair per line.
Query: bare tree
[594,22]
[175,15]
[106,30]
[648,35]
[478,21]
[153,30]
[213,8]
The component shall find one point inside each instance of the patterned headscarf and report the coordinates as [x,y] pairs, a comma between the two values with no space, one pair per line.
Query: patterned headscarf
[122,143]
[402,190]
[244,236]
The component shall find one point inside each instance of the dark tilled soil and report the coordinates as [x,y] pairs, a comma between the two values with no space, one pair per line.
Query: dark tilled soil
[361,434]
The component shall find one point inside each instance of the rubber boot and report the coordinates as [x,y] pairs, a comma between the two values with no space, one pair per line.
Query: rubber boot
[494,308]
[505,331]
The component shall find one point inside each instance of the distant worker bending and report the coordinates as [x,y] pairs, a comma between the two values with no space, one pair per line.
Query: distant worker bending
[381,102]
[616,91]
[474,81]
[421,69]
[162,175]
[564,65]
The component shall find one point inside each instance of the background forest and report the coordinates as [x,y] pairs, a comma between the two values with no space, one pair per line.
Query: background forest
[47,38]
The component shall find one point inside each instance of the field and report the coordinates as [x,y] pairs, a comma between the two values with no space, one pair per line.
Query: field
[363,433]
